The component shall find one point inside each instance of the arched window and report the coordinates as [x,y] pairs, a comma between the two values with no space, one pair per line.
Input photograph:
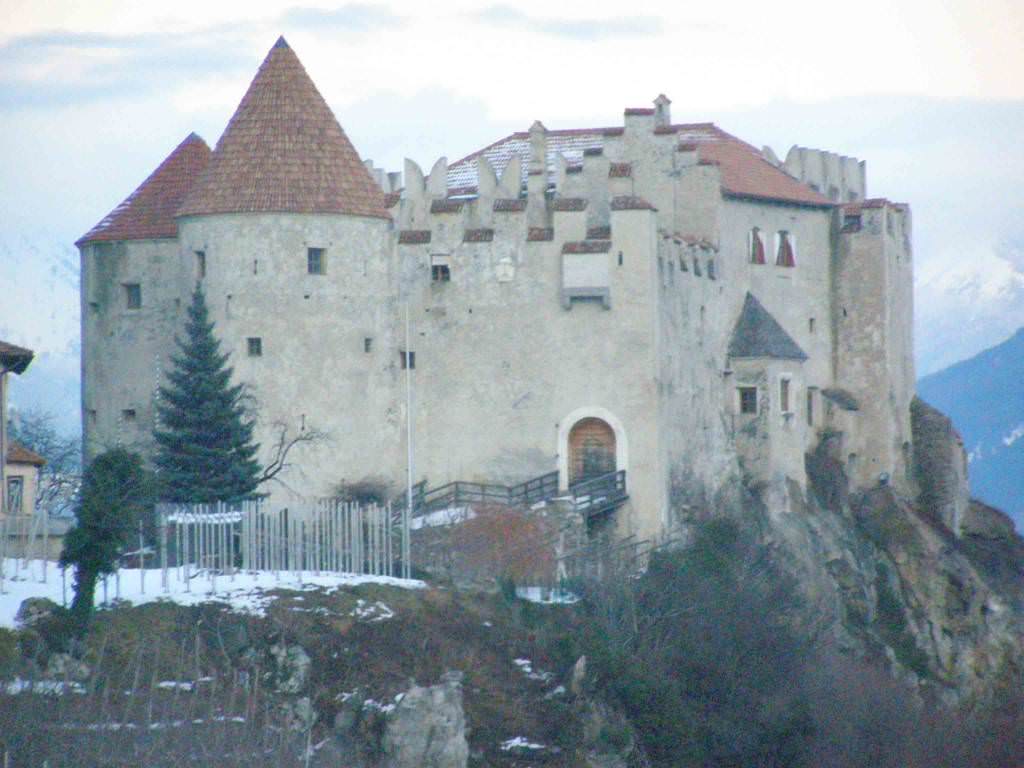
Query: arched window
[756,247]
[785,256]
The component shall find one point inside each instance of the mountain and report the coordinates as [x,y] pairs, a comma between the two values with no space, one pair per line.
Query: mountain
[968,306]
[984,396]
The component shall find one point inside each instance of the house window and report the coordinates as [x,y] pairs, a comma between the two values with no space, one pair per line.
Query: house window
[367,344]
[133,295]
[315,261]
[408,360]
[440,268]
[254,345]
[201,264]
[784,392]
[15,494]
[810,407]
[756,246]
[810,325]
[748,399]
[128,414]
[785,256]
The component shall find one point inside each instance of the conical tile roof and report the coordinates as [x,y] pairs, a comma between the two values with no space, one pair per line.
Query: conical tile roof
[284,151]
[148,212]
[758,334]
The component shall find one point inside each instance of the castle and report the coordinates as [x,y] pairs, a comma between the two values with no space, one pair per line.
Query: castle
[658,300]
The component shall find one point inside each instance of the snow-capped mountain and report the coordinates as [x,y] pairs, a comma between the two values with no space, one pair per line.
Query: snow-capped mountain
[971,306]
[985,398]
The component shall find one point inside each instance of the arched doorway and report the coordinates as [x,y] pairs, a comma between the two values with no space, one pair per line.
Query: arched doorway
[591,449]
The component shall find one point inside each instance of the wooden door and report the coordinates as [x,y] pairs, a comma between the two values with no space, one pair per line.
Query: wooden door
[591,449]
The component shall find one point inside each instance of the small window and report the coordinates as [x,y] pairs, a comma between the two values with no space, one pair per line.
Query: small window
[810,407]
[748,400]
[712,274]
[15,494]
[254,345]
[368,344]
[756,246]
[671,272]
[92,415]
[810,325]
[440,273]
[128,414]
[408,360]
[620,258]
[785,256]
[201,264]
[784,403]
[133,295]
[315,261]
[696,266]
[255,266]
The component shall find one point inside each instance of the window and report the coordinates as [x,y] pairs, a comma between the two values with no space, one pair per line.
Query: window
[810,407]
[784,396]
[367,344]
[407,362]
[128,414]
[15,494]
[440,268]
[133,295]
[671,272]
[201,264]
[92,415]
[748,399]
[711,270]
[810,325]
[254,345]
[315,261]
[785,255]
[756,246]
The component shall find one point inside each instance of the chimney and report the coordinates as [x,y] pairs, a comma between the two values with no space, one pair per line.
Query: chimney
[662,111]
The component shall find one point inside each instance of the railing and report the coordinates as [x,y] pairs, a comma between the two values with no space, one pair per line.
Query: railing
[462,493]
[600,494]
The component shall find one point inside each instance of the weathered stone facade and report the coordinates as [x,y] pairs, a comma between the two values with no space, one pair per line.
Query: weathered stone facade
[552,277]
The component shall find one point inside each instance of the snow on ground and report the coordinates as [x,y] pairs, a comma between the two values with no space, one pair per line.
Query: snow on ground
[526,666]
[244,592]
[447,516]
[519,743]
[546,596]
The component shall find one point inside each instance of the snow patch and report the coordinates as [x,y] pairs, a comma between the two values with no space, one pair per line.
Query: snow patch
[546,596]
[244,592]
[526,667]
[519,742]
[448,516]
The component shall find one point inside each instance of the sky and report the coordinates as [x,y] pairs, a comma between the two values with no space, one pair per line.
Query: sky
[93,95]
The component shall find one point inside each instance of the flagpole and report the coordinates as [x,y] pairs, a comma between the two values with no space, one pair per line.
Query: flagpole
[408,439]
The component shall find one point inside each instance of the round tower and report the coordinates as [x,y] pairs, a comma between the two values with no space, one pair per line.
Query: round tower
[289,234]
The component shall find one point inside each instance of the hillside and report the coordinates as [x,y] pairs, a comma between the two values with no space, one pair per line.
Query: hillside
[984,396]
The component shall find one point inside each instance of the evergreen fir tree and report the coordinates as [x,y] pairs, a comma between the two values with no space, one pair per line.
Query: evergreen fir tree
[205,451]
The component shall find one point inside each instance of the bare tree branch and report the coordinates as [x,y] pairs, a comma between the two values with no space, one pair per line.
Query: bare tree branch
[285,440]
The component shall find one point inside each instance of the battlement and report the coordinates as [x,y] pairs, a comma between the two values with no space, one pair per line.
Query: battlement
[839,178]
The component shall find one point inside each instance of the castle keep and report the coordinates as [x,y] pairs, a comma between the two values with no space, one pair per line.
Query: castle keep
[656,298]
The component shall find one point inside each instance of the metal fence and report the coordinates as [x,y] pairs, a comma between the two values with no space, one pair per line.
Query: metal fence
[326,536]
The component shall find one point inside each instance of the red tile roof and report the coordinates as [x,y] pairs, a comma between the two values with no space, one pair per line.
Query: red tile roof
[391,199]
[587,246]
[148,212]
[14,358]
[599,233]
[446,206]
[639,111]
[414,236]
[631,203]
[509,205]
[284,151]
[540,234]
[19,454]
[484,235]
[569,204]
[745,172]
[620,170]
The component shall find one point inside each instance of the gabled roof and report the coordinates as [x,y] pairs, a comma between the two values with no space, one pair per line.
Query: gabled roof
[284,151]
[745,172]
[19,454]
[758,334]
[148,212]
[14,358]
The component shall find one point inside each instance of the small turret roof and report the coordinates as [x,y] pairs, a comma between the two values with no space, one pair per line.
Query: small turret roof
[284,151]
[148,212]
[14,358]
[758,334]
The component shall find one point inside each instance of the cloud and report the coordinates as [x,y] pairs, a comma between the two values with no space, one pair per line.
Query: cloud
[357,17]
[572,28]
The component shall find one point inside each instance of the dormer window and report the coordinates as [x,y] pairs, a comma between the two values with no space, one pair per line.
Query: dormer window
[785,253]
[756,247]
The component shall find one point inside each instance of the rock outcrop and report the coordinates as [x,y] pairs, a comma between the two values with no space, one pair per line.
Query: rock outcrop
[427,729]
